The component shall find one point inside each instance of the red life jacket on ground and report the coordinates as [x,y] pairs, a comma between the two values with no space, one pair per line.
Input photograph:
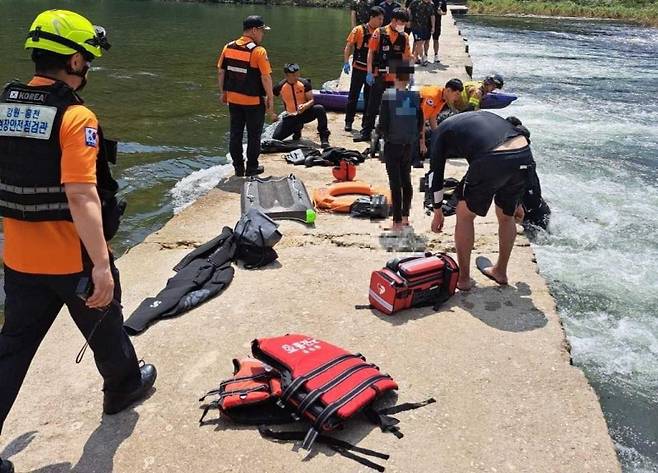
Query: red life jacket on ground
[250,395]
[322,382]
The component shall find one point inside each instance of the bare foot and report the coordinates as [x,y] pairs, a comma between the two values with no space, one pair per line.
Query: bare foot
[464,285]
[497,276]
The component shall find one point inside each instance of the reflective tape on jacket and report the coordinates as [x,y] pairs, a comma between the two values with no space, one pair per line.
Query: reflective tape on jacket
[240,75]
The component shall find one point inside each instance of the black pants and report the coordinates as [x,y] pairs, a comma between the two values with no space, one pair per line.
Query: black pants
[374,102]
[357,81]
[31,306]
[289,125]
[253,116]
[398,167]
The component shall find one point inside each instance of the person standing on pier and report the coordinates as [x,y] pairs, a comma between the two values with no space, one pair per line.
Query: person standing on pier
[421,13]
[357,47]
[440,9]
[500,165]
[59,204]
[400,124]
[388,46]
[244,77]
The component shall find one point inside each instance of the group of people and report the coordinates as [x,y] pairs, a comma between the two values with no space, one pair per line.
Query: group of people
[501,165]
[245,85]
[59,203]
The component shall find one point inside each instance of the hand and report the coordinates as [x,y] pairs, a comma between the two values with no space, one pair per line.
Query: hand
[301,108]
[519,214]
[346,68]
[222,98]
[370,79]
[423,148]
[103,281]
[274,116]
[269,104]
[437,221]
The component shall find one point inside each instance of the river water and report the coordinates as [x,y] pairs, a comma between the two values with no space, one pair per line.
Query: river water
[588,94]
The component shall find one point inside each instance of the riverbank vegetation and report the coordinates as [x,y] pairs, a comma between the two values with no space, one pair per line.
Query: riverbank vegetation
[644,12]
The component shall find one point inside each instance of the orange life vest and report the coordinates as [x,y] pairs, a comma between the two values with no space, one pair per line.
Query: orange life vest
[293,95]
[339,197]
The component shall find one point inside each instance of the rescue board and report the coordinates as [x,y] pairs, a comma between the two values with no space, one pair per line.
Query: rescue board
[279,197]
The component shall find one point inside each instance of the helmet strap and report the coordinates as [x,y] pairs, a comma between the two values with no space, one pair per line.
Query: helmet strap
[82,74]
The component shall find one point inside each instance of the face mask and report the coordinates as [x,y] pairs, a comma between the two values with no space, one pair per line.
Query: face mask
[399,28]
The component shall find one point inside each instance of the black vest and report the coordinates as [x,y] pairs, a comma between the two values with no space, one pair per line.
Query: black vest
[239,76]
[390,52]
[30,157]
[360,56]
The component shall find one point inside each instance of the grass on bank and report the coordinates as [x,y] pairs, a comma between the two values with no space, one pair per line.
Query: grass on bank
[644,12]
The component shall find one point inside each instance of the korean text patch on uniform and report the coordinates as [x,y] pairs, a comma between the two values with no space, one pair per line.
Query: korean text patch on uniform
[27,121]
[91,137]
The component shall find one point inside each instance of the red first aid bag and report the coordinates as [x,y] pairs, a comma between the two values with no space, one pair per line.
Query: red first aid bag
[413,282]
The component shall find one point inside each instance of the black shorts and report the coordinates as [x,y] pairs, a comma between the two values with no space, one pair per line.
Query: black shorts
[501,176]
[437,27]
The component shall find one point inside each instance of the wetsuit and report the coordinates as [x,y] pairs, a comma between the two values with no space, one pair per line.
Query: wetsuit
[400,123]
[501,176]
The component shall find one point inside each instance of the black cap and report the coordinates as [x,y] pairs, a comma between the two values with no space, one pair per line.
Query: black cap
[291,68]
[254,21]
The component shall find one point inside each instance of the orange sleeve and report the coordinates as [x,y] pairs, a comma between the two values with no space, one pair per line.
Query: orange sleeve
[78,137]
[221,57]
[262,61]
[373,45]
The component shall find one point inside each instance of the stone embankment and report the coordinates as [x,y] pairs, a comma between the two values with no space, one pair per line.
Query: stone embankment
[496,358]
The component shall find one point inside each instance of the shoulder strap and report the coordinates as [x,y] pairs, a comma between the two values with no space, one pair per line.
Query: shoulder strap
[339,446]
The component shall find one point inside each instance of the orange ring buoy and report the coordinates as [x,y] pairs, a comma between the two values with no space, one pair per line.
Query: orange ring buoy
[338,197]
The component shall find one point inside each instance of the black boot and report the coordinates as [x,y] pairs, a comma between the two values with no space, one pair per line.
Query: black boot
[115,402]
[254,171]
[6,466]
[324,139]
[348,126]
[362,137]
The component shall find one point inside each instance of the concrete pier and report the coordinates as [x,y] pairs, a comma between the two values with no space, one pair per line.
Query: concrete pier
[495,358]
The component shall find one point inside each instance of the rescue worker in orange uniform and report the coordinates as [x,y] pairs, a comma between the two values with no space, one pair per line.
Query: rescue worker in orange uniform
[245,84]
[357,46]
[388,47]
[297,96]
[58,200]
[433,100]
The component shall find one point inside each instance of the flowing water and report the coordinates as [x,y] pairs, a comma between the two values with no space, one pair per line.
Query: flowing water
[588,93]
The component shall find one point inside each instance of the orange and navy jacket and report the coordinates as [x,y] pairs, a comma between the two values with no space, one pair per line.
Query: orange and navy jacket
[244,64]
[293,95]
[54,247]
[431,101]
[359,37]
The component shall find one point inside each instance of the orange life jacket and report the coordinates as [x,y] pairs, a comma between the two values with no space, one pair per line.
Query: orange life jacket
[339,197]
[293,95]
[240,76]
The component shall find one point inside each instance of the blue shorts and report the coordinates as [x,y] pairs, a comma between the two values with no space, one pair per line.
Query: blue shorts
[421,34]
